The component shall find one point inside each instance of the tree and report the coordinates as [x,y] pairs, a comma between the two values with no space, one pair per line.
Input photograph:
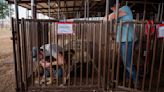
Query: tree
[4,10]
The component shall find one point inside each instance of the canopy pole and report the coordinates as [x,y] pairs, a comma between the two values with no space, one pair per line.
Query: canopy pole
[161,18]
[117,9]
[33,9]
[144,13]
[85,9]
[58,9]
[107,9]
[49,8]
[88,9]
[27,14]
[158,14]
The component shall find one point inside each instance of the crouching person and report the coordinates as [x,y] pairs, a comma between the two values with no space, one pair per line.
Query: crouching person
[45,64]
[58,59]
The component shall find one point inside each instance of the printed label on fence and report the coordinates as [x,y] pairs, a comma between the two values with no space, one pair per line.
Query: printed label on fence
[65,28]
[161,31]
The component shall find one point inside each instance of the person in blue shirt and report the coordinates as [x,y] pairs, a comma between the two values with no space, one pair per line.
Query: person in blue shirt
[124,14]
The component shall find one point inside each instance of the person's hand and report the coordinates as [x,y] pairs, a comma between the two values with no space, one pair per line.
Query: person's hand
[112,16]
[48,64]
[45,64]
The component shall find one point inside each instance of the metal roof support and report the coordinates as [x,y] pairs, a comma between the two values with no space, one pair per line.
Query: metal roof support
[78,14]
[107,9]
[161,18]
[58,11]
[33,9]
[117,8]
[37,1]
[142,2]
[144,13]
[154,7]
[49,8]
[66,9]
[27,13]
[85,9]
[74,4]
[159,11]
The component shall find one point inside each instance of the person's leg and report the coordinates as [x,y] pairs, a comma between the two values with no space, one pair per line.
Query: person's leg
[60,72]
[46,73]
[127,60]
[123,55]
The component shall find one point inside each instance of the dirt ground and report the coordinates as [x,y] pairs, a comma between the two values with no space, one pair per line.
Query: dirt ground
[7,80]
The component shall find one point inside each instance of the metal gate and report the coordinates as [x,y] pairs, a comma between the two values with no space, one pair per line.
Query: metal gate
[96,64]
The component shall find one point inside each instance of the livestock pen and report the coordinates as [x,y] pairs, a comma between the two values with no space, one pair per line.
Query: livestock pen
[96,64]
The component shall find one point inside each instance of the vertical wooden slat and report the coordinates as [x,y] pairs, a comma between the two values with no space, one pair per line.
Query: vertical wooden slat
[119,52]
[153,61]
[15,54]
[147,57]
[124,75]
[139,55]
[23,31]
[132,57]
[93,53]
[160,66]
[99,60]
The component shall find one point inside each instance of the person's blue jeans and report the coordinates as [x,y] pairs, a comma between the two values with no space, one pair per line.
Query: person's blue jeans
[60,72]
[127,61]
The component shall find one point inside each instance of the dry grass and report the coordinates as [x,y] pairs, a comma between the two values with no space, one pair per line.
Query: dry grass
[7,81]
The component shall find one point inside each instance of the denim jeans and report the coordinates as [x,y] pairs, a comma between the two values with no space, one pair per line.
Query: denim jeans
[60,72]
[127,61]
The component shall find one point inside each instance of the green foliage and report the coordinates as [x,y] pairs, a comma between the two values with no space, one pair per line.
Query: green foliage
[4,10]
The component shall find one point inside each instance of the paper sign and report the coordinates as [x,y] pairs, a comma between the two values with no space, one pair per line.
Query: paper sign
[161,31]
[65,28]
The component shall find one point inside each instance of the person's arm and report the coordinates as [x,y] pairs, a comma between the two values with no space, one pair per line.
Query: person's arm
[48,64]
[44,64]
[105,18]
[54,63]
[109,17]
[120,14]
[59,61]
